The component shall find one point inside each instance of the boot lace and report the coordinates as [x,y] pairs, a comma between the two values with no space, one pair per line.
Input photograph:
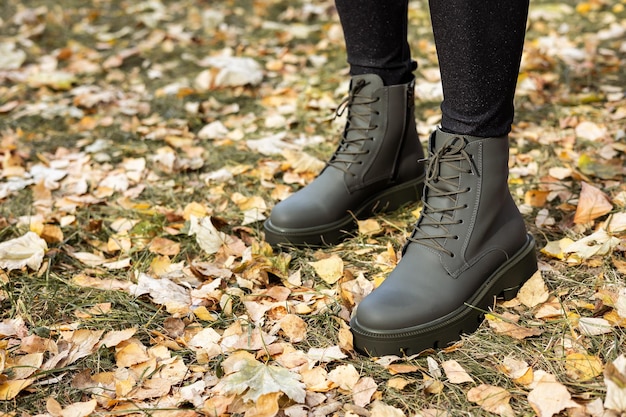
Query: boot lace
[456,161]
[350,148]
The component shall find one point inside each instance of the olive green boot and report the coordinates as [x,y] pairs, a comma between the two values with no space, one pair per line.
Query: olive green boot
[374,169]
[468,247]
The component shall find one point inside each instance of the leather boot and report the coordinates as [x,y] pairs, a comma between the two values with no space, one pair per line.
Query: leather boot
[374,169]
[468,247]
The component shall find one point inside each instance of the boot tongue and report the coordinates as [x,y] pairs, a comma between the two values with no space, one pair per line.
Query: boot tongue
[447,161]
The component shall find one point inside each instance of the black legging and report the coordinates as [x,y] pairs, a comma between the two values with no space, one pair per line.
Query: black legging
[479,44]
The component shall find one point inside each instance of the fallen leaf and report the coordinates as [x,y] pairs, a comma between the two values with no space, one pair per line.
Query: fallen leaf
[294,328]
[594,326]
[519,371]
[130,352]
[256,379]
[363,391]
[12,388]
[27,250]
[380,409]
[582,367]
[599,243]
[455,372]
[590,131]
[327,354]
[398,383]
[492,399]
[344,376]
[24,366]
[265,406]
[507,324]
[208,237]
[78,409]
[592,204]
[534,291]
[536,198]
[164,246]
[174,297]
[115,337]
[549,396]
[369,227]
[615,381]
[555,248]
[329,269]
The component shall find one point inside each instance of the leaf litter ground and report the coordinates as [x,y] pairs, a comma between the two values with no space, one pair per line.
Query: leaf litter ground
[142,145]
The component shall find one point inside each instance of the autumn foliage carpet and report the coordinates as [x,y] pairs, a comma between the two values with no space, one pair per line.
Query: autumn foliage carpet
[142,143]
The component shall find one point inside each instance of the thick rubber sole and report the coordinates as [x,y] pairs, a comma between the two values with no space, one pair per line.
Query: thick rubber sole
[503,283]
[333,233]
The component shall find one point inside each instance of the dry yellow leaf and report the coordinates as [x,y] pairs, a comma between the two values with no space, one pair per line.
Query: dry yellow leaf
[194,209]
[345,337]
[582,367]
[344,376]
[316,379]
[398,383]
[536,198]
[369,227]
[217,405]
[130,352]
[555,248]
[534,291]
[550,309]
[10,389]
[329,269]
[83,280]
[204,314]
[492,399]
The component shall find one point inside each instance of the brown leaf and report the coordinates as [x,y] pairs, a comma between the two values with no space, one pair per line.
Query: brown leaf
[329,269]
[492,399]
[294,328]
[592,204]
[507,325]
[164,246]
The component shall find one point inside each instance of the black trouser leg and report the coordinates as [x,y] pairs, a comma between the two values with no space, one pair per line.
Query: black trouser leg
[479,44]
[375,32]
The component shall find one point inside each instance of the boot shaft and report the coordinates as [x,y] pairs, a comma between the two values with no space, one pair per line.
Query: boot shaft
[380,143]
[468,209]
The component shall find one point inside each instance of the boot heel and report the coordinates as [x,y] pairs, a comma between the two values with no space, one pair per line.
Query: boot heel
[521,270]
